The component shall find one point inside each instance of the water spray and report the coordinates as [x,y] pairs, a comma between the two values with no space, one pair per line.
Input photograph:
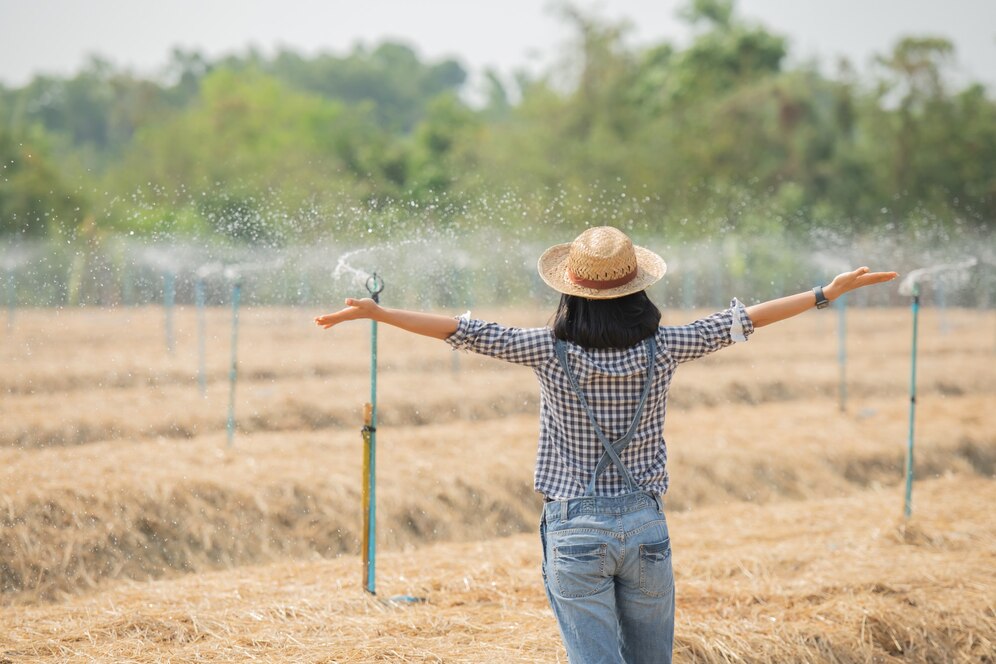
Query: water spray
[375,285]
[911,286]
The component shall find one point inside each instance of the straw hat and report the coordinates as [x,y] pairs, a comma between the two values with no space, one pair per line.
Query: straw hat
[601,264]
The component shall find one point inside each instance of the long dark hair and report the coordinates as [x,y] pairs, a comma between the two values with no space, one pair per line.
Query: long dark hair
[616,323]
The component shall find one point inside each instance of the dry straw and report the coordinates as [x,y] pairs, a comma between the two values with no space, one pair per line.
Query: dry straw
[72,519]
[113,468]
[834,580]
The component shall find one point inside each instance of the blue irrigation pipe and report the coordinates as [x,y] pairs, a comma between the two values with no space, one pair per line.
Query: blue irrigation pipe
[169,298]
[717,284]
[127,287]
[908,500]
[11,299]
[688,290]
[942,305]
[233,371]
[842,349]
[201,331]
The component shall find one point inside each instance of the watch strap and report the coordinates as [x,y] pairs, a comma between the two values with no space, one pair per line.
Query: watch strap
[821,300]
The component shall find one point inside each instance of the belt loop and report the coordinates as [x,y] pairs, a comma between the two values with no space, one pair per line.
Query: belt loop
[563,510]
[659,499]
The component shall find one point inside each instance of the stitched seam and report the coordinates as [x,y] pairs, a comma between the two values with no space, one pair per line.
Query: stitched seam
[601,572]
[639,530]
[644,564]
[596,531]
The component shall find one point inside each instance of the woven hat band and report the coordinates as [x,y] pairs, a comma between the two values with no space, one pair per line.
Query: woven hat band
[601,285]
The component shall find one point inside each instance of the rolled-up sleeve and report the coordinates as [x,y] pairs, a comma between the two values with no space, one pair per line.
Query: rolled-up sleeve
[707,335]
[531,346]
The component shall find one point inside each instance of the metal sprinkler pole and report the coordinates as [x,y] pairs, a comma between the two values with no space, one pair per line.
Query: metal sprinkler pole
[201,327]
[127,288]
[233,371]
[169,297]
[842,349]
[11,299]
[908,501]
[374,285]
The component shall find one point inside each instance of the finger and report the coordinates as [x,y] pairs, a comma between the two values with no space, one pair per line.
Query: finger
[876,278]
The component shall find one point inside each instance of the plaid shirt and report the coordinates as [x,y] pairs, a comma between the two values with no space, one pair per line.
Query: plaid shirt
[612,380]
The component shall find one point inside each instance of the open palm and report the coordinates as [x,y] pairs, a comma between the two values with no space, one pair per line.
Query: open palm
[859,278]
[355,309]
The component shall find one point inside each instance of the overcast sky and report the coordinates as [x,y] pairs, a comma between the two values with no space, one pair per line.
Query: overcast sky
[55,36]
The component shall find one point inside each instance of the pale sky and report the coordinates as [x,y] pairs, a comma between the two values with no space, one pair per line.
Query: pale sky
[55,36]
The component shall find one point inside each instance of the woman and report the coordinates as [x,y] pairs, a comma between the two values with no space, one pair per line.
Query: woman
[604,367]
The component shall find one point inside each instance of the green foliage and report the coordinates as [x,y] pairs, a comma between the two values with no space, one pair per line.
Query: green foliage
[34,198]
[390,79]
[249,147]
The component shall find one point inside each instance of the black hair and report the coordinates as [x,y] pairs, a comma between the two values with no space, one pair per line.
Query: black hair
[615,323]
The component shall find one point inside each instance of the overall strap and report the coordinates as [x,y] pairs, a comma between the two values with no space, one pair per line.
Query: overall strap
[612,448]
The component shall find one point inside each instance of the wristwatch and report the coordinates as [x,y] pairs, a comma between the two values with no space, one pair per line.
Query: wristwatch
[821,300]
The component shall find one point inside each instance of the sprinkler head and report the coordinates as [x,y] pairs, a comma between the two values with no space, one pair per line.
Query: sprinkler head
[374,286]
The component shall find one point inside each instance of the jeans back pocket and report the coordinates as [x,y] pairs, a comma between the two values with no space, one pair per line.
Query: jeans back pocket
[656,574]
[580,569]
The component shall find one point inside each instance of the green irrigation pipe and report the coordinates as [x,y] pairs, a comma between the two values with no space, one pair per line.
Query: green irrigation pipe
[908,501]
[374,285]
[233,371]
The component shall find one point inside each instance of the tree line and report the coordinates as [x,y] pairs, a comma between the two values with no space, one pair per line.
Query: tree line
[723,134]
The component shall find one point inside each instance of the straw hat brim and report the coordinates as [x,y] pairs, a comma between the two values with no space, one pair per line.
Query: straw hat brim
[552,266]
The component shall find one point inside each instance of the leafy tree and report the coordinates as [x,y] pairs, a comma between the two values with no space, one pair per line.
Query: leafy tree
[443,147]
[390,80]
[34,198]
[250,144]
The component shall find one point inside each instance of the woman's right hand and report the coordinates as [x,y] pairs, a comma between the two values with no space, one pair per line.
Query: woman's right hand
[355,310]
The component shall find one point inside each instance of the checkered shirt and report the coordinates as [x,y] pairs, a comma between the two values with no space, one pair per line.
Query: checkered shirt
[612,381]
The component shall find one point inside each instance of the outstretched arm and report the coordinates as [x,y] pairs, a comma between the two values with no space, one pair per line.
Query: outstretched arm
[773,311]
[430,325]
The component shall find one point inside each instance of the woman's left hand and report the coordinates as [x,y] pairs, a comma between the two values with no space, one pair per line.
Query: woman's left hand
[855,279]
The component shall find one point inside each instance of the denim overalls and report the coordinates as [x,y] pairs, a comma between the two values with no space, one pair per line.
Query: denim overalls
[607,560]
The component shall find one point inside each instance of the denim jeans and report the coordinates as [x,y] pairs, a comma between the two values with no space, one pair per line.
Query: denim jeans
[607,573]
